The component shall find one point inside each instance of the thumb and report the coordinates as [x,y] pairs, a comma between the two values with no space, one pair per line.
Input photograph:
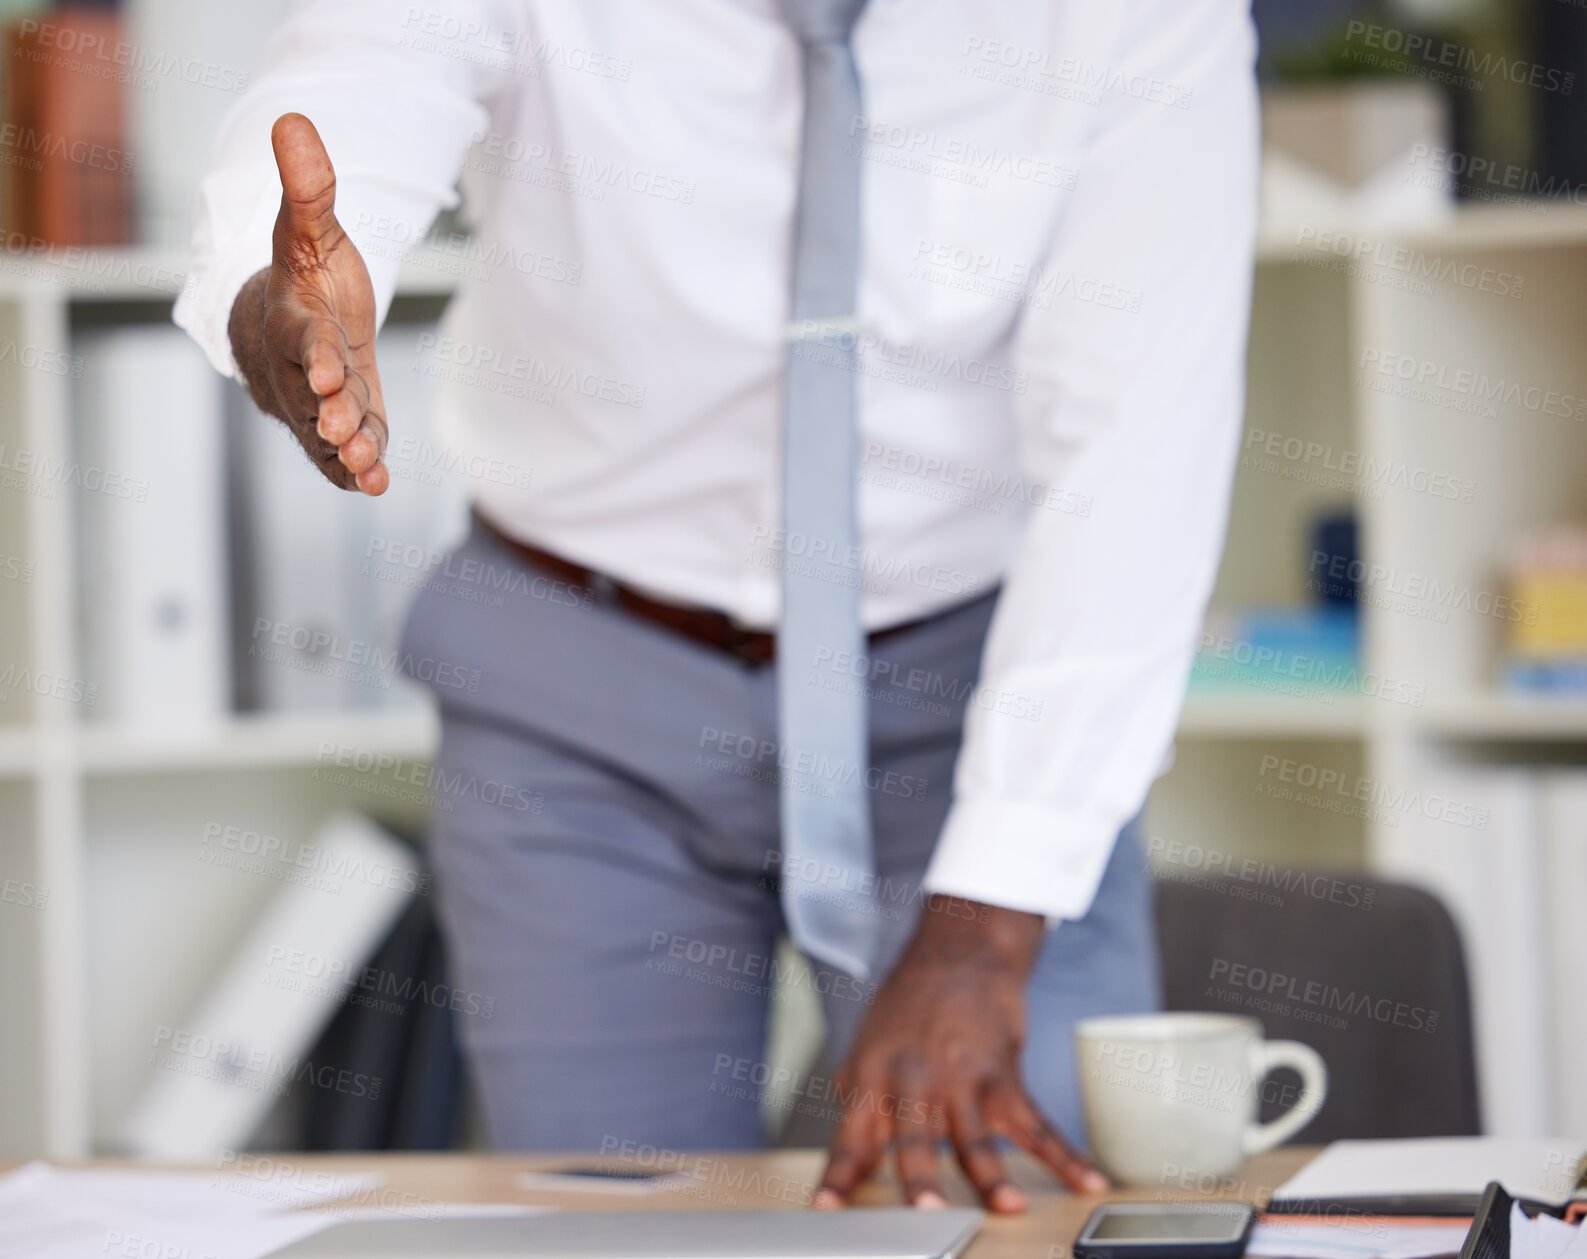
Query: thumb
[308,180]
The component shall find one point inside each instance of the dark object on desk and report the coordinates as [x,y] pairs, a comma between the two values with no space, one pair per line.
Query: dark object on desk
[1166,1230]
[397,1031]
[1489,1237]
[1375,948]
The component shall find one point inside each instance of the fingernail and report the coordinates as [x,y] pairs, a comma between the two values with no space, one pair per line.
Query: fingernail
[826,1200]
[1094,1182]
[930,1201]
[1007,1198]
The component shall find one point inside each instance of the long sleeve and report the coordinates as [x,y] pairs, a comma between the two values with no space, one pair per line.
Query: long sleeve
[395,91]
[1134,409]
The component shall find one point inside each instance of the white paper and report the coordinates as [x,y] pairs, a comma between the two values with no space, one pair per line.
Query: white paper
[1352,1238]
[1540,1169]
[53,1213]
[1542,1238]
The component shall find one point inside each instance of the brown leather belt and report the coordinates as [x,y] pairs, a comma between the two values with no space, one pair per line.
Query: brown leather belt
[703,625]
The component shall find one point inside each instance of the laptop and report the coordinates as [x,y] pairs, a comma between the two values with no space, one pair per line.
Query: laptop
[855,1233]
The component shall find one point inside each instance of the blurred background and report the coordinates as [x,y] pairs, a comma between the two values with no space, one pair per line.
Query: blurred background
[215,932]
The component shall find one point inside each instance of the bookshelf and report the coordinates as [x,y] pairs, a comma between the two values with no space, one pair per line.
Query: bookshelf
[104,820]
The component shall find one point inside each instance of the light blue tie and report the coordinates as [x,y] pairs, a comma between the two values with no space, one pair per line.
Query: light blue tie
[828,890]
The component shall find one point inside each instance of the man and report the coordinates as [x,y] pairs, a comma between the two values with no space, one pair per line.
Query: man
[878,372]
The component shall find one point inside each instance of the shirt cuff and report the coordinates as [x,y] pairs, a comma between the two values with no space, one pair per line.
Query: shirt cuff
[1025,856]
[203,310]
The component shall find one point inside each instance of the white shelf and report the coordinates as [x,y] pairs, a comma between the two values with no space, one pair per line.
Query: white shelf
[1508,718]
[1466,229]
[1212,716]
[143,273]
[266,741]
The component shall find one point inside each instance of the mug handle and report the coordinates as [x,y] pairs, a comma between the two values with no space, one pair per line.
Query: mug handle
[1313,1072]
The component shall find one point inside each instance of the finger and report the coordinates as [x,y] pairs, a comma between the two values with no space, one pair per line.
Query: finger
[343,413]
[373,481]
[1017,1116]
[308,180]
[368,442]
[322,353]
[919,1164]
[856,1149]
[976,1148]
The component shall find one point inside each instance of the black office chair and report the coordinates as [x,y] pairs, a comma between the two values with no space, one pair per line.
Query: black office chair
[1370,974]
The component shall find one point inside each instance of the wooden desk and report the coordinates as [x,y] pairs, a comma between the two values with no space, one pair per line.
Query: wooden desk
[784,1178]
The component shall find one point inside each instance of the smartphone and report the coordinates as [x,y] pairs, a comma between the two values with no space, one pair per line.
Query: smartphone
[601,1179]
[1166,1230]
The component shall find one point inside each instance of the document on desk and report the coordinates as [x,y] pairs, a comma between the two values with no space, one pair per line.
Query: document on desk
[53,1213]
[1352,1237]
[1453,1168]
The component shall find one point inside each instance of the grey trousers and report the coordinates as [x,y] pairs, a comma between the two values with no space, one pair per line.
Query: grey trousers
[604,836]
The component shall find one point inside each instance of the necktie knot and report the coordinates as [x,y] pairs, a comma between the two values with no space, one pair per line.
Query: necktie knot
[821,21]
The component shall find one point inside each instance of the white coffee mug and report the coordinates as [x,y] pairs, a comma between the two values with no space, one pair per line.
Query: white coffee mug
[1171,1097]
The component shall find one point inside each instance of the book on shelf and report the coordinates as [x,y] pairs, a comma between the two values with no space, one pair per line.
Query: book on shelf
[67,173]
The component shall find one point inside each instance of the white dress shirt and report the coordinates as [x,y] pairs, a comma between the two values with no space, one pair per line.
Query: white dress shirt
[1059,204]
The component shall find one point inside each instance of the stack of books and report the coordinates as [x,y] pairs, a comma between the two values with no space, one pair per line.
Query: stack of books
[1546,645]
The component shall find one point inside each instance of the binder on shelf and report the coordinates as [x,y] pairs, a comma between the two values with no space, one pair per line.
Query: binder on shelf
[1492,881]
[214,1079]
[1564,811]
[148,485]
[323,598]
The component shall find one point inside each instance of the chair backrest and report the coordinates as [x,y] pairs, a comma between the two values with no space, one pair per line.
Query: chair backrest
[1370,974]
